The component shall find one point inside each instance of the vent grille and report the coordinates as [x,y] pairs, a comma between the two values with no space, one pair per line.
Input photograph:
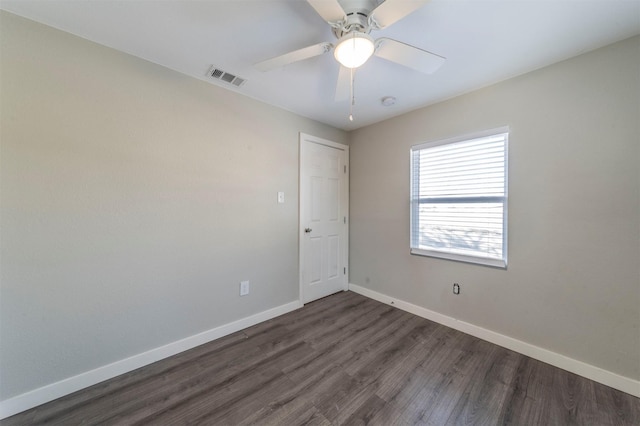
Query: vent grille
[218,74]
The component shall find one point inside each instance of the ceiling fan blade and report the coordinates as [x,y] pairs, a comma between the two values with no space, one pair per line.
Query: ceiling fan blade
[391,11]
[343,86]
[330,10]
[295,56]
[408,56]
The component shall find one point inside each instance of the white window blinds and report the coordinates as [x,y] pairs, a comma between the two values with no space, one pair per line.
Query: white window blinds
[459,198]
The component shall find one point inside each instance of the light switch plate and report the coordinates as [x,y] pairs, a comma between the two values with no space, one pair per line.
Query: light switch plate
[280,197]
[244,288]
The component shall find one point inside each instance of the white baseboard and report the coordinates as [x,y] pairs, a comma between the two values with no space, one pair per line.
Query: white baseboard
[580,368]
[47,393]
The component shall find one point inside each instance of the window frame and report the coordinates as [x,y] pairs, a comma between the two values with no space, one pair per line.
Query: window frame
[414,204]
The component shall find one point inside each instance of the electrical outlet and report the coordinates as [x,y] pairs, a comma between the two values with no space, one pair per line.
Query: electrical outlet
[456,288]
[244,288]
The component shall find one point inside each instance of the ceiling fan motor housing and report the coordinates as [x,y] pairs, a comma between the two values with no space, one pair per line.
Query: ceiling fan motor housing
[357,18]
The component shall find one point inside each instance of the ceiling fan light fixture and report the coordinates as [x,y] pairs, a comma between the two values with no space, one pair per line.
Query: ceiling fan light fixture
[354,49]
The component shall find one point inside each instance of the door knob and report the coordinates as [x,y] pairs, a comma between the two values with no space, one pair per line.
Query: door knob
[307,230]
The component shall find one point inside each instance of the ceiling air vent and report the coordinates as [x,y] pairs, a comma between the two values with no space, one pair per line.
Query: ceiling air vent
[218,74]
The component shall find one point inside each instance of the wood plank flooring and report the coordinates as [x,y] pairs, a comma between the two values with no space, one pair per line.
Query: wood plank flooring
[344,359]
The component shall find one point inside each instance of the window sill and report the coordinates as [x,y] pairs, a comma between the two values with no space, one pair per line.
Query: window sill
[494,263]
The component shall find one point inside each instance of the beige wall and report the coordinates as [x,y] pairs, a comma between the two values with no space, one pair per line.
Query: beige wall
[134,200]
[573,282]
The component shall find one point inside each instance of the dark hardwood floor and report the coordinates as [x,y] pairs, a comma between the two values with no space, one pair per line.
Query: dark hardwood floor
[344,359]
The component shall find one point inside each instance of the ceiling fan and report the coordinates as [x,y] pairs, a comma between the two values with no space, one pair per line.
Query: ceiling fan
[351,22]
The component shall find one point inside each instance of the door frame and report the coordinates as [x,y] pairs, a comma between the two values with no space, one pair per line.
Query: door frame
[305,139]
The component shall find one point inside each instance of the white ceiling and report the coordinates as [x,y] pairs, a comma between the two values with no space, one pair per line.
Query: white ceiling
[484,42]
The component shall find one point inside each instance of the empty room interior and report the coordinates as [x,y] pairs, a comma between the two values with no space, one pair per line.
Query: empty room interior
[208,215]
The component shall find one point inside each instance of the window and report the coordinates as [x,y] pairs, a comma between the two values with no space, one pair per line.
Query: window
[459,198]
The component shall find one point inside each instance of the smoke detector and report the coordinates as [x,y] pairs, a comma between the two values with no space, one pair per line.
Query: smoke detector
[388,101]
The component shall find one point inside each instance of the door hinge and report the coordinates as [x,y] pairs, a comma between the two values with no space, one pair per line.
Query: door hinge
[345,271]
[345,220]
[345,169]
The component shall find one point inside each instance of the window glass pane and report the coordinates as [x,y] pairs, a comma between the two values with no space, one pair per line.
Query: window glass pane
[473,229]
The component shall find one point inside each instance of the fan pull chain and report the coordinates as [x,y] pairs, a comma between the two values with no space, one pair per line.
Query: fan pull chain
[353,98]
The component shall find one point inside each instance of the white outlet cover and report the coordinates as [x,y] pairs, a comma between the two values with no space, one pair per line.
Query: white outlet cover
[280,197]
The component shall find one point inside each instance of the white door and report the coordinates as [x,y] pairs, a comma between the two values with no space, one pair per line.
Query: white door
[324,203]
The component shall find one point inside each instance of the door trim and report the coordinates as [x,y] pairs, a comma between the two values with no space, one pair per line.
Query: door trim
[306,139]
